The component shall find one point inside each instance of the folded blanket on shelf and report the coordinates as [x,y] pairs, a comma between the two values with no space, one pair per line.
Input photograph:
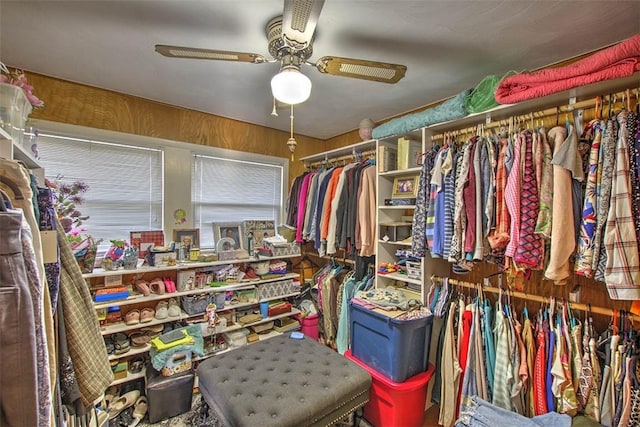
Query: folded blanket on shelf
[618,61]
[451,109]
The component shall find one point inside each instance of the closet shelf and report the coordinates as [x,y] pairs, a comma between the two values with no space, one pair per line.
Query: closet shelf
[130,377]
[99,272]
[400,277]
[237,326]
[393,242]
[503,112]
[397,207]
[123,327]
[133,352]
[398,172]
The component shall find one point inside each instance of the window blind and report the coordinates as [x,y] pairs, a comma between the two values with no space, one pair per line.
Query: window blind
[230,190]
[125,182]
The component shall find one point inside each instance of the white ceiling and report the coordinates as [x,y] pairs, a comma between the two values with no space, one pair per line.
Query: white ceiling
[447,46]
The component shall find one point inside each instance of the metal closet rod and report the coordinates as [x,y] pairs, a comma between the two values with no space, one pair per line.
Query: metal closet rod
[522,295]
[603,102]
[339,158]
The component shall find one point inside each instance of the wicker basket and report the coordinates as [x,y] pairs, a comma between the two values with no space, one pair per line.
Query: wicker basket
[194,304]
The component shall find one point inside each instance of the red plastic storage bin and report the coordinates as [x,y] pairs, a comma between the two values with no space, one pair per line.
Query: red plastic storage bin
[393,404]
[310,326]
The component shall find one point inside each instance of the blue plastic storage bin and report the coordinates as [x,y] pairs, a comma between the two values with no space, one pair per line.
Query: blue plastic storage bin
[398,349]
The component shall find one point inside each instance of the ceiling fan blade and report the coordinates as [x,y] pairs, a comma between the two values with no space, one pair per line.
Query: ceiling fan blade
[361,69]
[221,55]
[299,21]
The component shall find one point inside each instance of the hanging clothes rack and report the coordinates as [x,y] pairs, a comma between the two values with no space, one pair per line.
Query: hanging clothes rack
[529,297]
[333,160]
[604,102]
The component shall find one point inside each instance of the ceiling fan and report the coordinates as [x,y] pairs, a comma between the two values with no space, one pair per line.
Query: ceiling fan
[290,42]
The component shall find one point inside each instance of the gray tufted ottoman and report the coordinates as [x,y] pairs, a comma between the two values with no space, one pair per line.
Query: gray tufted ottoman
[282,382]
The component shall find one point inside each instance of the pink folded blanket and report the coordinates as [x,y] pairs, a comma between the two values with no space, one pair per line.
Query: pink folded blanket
[620,60]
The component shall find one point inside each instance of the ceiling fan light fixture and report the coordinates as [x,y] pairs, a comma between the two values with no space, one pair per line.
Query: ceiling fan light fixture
[290,85]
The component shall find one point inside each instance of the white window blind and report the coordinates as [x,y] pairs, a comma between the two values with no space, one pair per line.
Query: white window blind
[229,190]
[125,182]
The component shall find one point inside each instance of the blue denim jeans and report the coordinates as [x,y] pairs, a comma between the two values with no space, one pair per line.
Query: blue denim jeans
[479,413]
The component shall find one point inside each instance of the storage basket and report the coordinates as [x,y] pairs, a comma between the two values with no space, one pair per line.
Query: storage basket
[414,270]
[194,304]
[276,289]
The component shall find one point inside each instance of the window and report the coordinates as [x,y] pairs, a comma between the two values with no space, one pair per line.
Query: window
[125,182]
[225,190]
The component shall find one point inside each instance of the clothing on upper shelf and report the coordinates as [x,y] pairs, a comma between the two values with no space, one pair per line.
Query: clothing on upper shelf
[335,208]
[538,200]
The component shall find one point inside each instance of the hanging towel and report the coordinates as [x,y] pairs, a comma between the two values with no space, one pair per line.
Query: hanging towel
[620,60]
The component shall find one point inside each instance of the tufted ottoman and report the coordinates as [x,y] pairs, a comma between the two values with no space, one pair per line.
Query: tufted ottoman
[282,382]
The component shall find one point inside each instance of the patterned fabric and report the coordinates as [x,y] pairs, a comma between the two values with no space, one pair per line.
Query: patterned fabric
[419,241]
[608,157]
[633,142]
[584,255]
[512,197]
[539,377]
[499,237]
[622,273]
[529,250]
[543,225]
[450,202]
[503,380]
[86,346]
[48,223]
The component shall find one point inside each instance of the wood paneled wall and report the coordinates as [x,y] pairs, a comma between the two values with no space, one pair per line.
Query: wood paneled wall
[82,105]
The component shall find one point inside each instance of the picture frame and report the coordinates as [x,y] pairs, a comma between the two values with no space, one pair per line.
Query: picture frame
[231,230]
[405,187]
[258,229]
[187,237]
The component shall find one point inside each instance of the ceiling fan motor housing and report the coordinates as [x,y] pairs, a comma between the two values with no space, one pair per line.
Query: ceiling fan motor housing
[280,49]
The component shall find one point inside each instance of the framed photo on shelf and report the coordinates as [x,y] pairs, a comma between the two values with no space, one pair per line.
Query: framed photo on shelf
[231,230]
[259,229]
[405,187]
[187,237]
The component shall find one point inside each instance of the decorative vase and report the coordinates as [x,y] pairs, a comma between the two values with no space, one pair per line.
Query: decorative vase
[365,129]
[130,258]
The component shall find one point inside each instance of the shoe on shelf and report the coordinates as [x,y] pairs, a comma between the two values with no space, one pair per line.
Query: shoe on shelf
[157,286]
[162,310]
[121,343]
[174,308]
[169,284]
[139,411]
[147,315]
[143,287]
[123,402]
[132,317]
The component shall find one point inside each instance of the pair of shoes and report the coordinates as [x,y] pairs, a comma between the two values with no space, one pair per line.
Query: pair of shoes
[169,284]
[121,343]
[123,402]
[139,338]
[136,365]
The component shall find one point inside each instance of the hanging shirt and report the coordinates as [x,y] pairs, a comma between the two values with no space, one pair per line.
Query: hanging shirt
[449,171]
[622,273]
[460,218]
[499,237]
[562,239]
[512,197]
[450,373]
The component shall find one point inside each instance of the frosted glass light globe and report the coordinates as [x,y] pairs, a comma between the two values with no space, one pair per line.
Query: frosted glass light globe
[291,86]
